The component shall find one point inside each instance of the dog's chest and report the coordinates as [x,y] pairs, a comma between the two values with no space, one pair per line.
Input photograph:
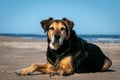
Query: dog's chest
[54,57]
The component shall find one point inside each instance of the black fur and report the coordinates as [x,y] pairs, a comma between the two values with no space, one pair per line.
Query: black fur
[86,57]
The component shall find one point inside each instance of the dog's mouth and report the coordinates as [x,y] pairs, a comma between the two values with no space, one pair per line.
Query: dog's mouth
[56,43]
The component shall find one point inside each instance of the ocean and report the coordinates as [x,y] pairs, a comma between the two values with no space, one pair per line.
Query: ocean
[89,38]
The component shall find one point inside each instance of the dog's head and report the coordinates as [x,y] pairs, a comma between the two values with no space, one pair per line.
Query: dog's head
[57,31]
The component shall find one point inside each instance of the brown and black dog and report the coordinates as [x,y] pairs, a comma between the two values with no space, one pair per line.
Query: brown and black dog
[67,53]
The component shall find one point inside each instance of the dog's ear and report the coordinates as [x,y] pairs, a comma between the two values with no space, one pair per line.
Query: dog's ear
[69,23]
[45,23]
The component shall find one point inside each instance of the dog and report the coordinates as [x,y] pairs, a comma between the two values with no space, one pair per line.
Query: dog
[67,53]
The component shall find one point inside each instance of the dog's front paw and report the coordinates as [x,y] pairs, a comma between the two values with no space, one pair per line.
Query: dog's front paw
[54,74]
[22,72]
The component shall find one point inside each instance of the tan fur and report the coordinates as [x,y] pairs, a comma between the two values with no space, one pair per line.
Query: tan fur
[65,66]
[57,29]
[107,64]
[45,68]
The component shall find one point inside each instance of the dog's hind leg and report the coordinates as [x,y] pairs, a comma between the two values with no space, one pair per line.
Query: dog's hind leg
[107,64]
[45,68]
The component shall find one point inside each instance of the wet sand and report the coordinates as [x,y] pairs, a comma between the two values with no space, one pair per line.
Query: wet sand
[17,53]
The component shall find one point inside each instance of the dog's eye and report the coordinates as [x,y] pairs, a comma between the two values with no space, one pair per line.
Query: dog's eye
[62,28]
[51,28]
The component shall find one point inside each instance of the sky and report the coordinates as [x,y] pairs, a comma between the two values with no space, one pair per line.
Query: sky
[89,16]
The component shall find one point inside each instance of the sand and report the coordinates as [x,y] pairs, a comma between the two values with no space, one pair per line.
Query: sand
[17,53]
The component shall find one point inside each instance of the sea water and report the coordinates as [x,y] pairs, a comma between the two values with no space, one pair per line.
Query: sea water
[89,38]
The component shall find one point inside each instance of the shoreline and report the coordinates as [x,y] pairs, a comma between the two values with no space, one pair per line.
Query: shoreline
[89,38]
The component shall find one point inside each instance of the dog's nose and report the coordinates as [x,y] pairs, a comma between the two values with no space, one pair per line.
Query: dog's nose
[57,36]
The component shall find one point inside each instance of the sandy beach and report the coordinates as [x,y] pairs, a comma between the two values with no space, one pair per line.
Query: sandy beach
[17,53]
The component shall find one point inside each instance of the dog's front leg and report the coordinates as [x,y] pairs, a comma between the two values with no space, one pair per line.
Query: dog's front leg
[45,68]
[64,67]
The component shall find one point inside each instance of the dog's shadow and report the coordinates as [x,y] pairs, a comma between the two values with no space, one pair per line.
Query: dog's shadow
[39,73]
[36,73]
[110,70]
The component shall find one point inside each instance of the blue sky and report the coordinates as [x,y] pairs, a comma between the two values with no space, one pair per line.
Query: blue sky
[89,16]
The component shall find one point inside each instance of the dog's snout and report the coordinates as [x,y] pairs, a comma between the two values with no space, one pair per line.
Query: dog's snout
[57,36]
